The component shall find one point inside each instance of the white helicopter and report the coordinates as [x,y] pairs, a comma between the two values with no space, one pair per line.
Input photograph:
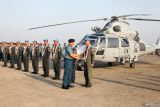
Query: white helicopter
[116,42]
[158,47]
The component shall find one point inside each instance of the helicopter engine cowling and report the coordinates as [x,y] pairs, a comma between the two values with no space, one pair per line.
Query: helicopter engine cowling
[96,29]
[121,29]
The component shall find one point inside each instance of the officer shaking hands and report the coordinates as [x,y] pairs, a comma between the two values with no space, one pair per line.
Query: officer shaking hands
[68,64]
[89,57]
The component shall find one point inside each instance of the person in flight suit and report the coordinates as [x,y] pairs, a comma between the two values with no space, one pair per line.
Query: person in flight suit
[68,64]
[19,53]
[89,57]
[35,57]
[26,54]
[46,58]
[56,57]
[12,51]
[5,54]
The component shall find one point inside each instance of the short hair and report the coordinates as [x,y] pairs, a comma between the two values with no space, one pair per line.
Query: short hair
[71,40]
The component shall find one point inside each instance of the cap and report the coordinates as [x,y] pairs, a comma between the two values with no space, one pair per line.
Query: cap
[71,40]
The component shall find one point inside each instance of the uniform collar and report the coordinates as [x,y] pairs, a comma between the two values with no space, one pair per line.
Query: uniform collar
[88,46]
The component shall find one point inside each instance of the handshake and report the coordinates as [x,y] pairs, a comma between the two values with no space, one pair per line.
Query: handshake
[76,56]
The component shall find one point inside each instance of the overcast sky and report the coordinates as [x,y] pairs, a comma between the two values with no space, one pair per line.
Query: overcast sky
[16,16]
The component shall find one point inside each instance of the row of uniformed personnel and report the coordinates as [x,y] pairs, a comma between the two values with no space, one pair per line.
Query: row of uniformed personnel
[16,53]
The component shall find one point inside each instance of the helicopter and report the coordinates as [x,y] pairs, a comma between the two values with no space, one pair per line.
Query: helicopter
[116,42]
[157,52]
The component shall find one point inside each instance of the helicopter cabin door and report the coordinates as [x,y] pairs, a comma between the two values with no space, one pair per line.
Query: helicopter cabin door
[100,54]
[112,50]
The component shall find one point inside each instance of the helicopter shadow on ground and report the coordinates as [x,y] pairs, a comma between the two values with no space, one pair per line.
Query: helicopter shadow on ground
[148,77]
[144,62]
[104,65]
[139,62]
[152,76]
[129,68]
[45,80]
[145,75]
[127,84]
[141,81]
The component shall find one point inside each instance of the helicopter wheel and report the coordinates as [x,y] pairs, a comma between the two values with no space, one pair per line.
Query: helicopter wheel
[132,65]
[110,63]
[123,61]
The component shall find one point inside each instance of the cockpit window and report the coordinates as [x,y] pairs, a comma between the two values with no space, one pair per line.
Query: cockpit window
[93,39]
[102,46]
[124,43]
[113,43]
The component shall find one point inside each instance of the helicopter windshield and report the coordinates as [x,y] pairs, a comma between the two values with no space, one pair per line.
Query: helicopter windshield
[93,40]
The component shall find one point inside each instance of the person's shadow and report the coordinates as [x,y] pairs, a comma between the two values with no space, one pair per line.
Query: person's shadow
[45,80]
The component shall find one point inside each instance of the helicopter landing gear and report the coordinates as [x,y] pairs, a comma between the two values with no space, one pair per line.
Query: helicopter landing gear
[132,65]
[110,63]
[123,61]
[158,52]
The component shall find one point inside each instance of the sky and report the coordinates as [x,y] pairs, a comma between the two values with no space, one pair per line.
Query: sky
[16,16]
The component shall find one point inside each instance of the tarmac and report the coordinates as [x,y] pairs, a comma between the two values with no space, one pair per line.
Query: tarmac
[116,86]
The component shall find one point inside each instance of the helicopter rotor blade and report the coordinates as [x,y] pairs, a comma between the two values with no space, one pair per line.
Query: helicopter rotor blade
[133,15]
[68,23]
[140,19]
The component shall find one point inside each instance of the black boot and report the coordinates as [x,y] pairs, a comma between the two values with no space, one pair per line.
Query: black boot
[65,87]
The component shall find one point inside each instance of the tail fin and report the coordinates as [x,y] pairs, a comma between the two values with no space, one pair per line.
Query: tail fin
[157,43]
